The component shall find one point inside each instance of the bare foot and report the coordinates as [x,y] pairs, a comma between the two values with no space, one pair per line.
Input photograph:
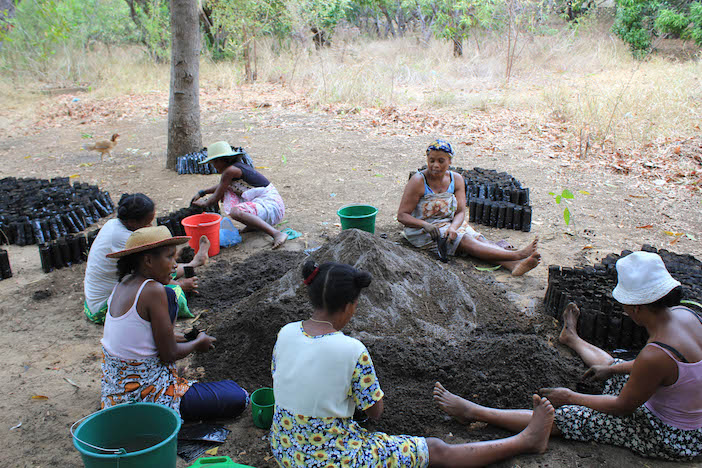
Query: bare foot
[538,431]
[458,408]
[527,264]
[201,256]
[570,323]
[529,249]
[279,239]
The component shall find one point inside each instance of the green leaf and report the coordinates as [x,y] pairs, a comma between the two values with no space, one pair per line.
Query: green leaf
[284,159]
[584,192]
[568,194]
[566,216]
[558,199]
[492,268]
[552,194]
[86,135]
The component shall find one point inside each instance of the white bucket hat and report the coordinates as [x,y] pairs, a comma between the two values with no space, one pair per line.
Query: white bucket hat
[642,279]
[221,149]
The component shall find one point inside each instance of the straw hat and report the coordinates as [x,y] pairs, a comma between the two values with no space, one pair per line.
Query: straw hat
[642,279]
[148,238]
[221,149]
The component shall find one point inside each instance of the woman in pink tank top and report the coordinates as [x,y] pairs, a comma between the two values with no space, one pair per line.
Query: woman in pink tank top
[651,405]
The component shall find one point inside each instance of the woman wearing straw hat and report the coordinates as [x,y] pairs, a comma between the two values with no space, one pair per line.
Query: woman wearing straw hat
[140,345]
[246,195]
[651,405]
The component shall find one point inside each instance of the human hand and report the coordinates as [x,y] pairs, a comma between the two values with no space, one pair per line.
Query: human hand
[189,284]
[196,197]
[432,230]
[179,337]
[451,234]
[199,202]
[557,396]
[599,372]
[204,342]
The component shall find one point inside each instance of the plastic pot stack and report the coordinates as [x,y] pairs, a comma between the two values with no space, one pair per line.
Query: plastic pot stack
[173,220]
[38,211]
[66,251]
[495,199]
[190,163]
[5,269]
[602,319]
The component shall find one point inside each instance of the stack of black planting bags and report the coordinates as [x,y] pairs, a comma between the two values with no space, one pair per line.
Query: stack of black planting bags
[602,319]
[495,199]
[38,211]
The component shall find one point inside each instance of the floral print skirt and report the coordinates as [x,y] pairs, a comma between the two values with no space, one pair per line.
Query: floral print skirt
[298,440]
[641,431]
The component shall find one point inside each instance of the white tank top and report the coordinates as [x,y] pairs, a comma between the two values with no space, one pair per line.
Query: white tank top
[128,336]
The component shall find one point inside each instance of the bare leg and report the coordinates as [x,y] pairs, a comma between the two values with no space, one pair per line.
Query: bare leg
[518,267]
[589,353]
[199,259]
[532,439]
[254,222]
[484,250]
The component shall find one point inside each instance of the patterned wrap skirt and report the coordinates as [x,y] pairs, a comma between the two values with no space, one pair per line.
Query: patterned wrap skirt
[641,431]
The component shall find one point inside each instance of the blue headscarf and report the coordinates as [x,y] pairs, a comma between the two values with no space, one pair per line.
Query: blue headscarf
[441,145]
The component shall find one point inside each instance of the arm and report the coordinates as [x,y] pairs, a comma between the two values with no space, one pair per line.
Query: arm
[375,411]
[155,302]
[231,173]
[460,215]
[410,198]
[603,372]
[649,371]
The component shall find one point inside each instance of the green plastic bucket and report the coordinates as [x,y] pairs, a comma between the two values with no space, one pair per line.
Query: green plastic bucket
[262,407]
[131,435]
[359,217]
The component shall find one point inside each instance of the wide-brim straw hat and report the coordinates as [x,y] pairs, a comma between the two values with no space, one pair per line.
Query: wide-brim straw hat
[221,149]
[148,238]
[642,279]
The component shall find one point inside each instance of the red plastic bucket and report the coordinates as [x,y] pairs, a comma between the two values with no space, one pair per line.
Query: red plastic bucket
[205,224]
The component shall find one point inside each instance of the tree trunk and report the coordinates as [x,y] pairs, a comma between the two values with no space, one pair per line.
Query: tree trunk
[184,104]
[389,27]
[457,46]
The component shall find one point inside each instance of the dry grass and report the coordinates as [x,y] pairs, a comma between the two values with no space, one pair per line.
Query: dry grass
[585,78]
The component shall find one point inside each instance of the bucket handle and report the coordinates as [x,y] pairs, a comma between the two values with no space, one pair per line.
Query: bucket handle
[119,451]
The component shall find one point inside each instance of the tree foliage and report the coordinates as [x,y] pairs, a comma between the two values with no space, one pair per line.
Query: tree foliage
[639,22]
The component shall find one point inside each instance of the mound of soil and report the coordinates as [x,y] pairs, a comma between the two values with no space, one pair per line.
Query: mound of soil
[417,319]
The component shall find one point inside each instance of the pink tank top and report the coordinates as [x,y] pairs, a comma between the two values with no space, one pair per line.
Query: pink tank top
[680,404]
[128,336]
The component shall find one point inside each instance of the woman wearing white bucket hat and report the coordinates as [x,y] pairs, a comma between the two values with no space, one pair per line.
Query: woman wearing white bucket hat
[651,405]
[246,195]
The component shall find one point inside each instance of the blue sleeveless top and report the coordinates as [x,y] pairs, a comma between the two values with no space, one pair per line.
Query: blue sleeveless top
[428,190]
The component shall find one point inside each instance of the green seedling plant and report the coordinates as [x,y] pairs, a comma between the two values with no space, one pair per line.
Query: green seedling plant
[564,196]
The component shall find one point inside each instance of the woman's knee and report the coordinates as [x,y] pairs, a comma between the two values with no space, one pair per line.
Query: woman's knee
[468,245]
[236,214]
[211,400]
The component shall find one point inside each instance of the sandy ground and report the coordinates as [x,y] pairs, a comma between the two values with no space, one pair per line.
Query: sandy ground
[319,162]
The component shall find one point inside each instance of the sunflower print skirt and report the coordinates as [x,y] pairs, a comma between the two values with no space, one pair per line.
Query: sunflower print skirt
[298,441]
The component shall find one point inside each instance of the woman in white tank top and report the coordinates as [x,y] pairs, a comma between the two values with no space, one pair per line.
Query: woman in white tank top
[139,342]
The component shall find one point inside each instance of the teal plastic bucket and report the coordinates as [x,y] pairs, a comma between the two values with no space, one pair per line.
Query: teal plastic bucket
[131,435]
[359,217]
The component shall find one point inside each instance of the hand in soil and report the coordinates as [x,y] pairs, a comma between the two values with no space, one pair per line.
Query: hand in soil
[538,430]
[527,264]
[205,342]
[557,396]
[189,284]
[279,239]
[570,324]
[458,408]
[599,372]
[192,334]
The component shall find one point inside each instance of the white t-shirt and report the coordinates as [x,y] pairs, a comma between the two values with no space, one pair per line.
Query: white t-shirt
[101,272]
[313,375]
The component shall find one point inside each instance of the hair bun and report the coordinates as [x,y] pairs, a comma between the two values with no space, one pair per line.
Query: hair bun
[308,268]
[362,279]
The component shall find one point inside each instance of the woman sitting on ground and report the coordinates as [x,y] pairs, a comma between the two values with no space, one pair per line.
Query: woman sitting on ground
[248,197]
[320,376]
[134,211]
[140,345]
[433,206]
[651,405]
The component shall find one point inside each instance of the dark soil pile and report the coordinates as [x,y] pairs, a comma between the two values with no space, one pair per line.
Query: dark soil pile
[417,319]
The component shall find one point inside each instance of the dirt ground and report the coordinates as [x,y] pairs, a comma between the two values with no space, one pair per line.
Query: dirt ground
[320,161]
